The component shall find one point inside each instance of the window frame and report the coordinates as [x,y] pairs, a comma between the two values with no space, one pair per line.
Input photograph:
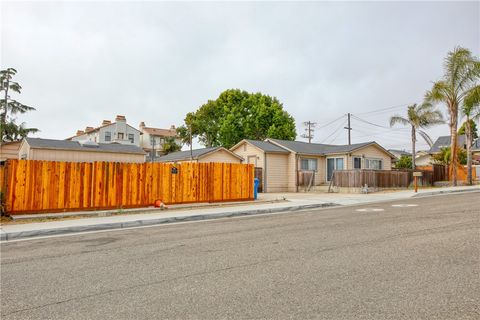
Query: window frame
[109,134]
[327,178]
[131,137]
[379,160]
[360,162]
[309,162]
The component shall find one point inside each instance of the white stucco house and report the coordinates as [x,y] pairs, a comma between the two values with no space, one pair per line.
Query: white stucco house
[110,132]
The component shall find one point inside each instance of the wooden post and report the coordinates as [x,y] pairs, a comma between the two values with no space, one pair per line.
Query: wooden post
[416,174]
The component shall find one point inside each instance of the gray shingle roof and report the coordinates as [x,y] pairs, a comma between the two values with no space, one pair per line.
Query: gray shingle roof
[319,149]
[444,141]
[39,143]
[267,146]
[185,155]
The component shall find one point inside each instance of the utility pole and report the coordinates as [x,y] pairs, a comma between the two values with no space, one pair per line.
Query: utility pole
[309,130]
[349,128]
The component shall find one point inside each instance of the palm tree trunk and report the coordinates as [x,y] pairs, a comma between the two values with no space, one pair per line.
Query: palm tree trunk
[453,142]
[414,139]
[468,137]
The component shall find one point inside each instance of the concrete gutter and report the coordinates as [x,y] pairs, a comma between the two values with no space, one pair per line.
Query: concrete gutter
[115,212]
[6,236]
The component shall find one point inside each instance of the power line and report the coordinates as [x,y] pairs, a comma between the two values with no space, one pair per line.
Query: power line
[377,125]
[335,131]
[385,109]
[329,123]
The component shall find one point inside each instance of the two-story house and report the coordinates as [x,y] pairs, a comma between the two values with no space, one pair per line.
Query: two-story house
[152,140]
[110,132]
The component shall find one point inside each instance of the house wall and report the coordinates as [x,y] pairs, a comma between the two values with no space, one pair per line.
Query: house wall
[220,156]
[250,154]
[370,152]
[146,144]
[320,174]
[24,152]
[424,160]
[81,156]
[9,150]
[114,128]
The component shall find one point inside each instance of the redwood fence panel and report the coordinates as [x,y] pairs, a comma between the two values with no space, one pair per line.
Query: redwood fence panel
[46,186]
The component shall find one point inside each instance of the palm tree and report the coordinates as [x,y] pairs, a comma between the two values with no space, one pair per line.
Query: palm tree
[471,110]
[418,117]
[461,75]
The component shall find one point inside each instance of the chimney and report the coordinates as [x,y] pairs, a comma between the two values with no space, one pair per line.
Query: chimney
[120,118]
[172,127]
[80,132]
[142,125]
[105,122]
[87,129]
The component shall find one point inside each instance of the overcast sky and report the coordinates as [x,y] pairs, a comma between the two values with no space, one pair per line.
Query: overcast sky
[82,62]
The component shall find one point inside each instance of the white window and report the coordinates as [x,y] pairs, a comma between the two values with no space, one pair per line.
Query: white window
[108,136]
[308,164]
[131,137]
[374,164]
[120,136]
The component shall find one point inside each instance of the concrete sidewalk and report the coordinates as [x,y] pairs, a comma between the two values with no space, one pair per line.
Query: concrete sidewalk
[295,202]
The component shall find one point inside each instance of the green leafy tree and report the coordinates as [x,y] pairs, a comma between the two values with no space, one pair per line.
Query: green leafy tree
[9,130]
[237,115]
[418,117]
[460,79]
[444,157]
[170,145]
[405,162]
[473,127]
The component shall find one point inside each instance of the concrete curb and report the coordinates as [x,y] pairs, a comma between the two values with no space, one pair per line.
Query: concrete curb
[6,236]
[116,212]
[438,192]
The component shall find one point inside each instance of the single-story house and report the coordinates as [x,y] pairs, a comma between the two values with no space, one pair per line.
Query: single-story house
[423,158]
[212,154]
[9,150]
[283,162]
[76,151]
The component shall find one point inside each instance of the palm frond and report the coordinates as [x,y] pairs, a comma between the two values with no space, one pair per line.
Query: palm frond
[398,119]
[426,137]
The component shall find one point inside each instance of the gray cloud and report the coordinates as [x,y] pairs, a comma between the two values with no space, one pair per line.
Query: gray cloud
[80,63]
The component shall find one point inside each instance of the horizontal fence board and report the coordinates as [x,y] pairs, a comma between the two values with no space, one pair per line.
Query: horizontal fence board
[47,186]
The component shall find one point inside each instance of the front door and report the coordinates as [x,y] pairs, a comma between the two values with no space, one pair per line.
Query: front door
[330,168]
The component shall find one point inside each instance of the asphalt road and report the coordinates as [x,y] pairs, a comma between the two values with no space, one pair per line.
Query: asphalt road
[415,262]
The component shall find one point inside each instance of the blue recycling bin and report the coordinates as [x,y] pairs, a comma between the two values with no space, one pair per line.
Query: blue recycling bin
[256,183]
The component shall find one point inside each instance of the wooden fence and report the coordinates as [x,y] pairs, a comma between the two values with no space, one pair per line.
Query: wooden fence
[378,178]
[47,186]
